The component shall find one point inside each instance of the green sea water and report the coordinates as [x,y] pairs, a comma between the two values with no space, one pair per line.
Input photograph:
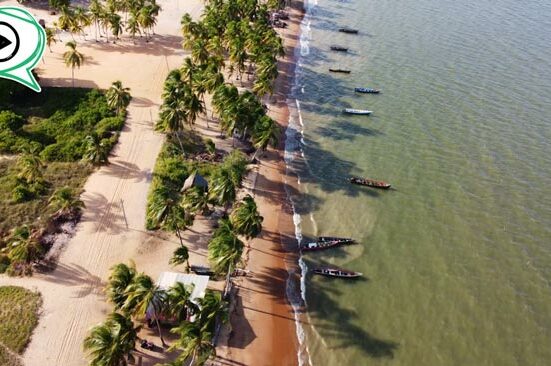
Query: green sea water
[456,259]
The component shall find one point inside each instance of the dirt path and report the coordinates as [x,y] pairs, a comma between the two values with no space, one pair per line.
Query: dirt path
[111,230]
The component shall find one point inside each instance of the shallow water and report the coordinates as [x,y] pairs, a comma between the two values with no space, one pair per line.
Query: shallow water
[457,259]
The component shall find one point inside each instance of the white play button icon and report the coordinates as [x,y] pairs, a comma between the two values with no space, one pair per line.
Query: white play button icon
[9,41]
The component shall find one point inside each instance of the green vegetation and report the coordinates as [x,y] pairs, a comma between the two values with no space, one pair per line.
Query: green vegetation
[18,317]
[49,140]
[132,293]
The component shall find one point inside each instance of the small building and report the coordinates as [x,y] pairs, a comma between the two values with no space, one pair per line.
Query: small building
[195,180]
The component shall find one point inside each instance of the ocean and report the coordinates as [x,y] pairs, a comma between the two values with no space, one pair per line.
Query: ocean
[457,257]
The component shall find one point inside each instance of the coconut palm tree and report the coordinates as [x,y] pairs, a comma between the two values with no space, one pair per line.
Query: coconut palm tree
[118,97]
[266,133]
[223,186]
[179,301]
[194,342]
[121,277]
[111,343]
[97,149]
[132,25]
[30,168]
[116,25]
[50,38]
[24,246]
[81,20]
[73,58]
[224,251]
[96,14]
[213,308]
[196,200]
[180,256]
[65,202]
[143,295]
[166,211]
[245,218]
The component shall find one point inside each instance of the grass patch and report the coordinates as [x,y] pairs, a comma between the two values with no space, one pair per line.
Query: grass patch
[19,309]
[36,211]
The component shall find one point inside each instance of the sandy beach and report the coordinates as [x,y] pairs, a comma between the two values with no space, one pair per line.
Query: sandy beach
[264,324]
[112,227]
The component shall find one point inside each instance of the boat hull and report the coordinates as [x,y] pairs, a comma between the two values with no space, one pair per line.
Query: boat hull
[370,183]
[336,273]
[357,111]
[367,90]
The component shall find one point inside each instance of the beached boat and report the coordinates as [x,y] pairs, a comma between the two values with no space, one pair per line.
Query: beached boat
[344,71]
[339,48]
[336,272]
[326,242]
[348,30]
[356,111]
[370,183]
[367,90]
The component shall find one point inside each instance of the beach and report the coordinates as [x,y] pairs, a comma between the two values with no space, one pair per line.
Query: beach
[112,226]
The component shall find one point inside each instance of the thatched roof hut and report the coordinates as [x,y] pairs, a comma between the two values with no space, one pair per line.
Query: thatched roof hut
[195,180]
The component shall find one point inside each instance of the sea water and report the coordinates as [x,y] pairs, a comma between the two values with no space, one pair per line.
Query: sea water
[457,258]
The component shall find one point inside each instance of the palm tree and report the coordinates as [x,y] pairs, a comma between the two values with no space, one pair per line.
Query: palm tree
[24,246]
[65,202]
[165,210]
[111,343]
[50,38]
[96,14]
[143,294]
[30,168]
[223,186]
[116,25]
[266,133]
[196,200]
[118,97]
[132,25]
[245,218]
[179,301]
[224,251]
[180,256]
[73,58]
[213,308]
[121,277]
[194,342]
[81,20]
[97,149]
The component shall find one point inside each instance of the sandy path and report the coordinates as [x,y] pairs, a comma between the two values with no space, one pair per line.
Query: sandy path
[111,230]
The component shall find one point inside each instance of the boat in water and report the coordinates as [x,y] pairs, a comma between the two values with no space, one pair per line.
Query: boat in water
[367,90]
[336,272]
[344,71]
[348,30]
[339,48]
[326,242]
[370,183]
[356,111]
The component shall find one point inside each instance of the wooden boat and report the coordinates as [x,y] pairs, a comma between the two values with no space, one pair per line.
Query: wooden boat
[336,272]
[339,48]
[340,70]
[326,242]
[356,111]
[370,183]
[367,90]
[348,30]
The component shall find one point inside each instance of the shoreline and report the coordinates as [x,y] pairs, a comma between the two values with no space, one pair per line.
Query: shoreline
[266,330]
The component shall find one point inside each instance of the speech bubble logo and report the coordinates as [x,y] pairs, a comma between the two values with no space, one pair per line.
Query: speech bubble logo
[22,43]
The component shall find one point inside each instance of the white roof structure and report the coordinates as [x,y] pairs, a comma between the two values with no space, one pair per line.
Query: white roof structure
[167,279]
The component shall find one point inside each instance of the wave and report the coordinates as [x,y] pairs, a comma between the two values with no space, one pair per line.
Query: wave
[294,140]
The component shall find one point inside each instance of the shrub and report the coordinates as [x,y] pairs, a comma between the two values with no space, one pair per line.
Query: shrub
[21,194]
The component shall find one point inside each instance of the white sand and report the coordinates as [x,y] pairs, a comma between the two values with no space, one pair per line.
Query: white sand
[112,228]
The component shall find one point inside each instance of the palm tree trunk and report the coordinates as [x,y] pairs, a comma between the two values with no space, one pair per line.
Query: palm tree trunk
[73,75]
[179,141]
[159,330]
